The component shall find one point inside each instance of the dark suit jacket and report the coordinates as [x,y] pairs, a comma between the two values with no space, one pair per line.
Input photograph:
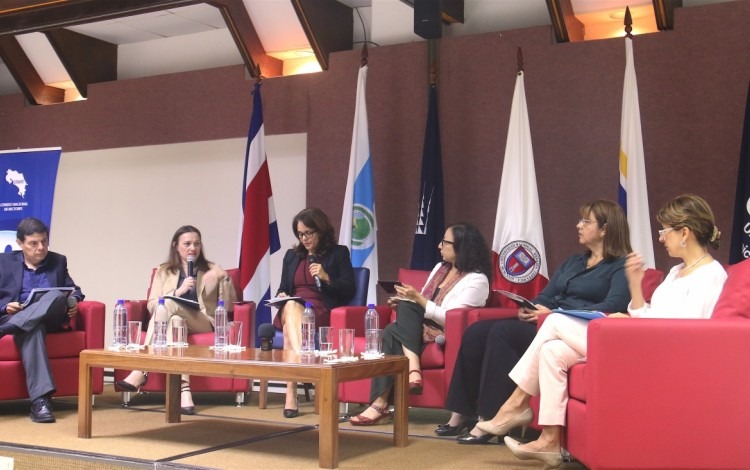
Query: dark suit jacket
[11,276]
[337,263]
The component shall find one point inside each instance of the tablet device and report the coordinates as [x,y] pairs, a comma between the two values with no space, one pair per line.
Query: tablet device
[520,300]
[37,294]
[389,286]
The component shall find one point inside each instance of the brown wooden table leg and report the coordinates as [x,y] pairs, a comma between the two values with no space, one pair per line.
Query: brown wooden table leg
[85,388]
[401,406]
[328,432]
[173,398]
[263,394]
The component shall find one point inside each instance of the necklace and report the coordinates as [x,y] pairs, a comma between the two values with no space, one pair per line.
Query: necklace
[693,264]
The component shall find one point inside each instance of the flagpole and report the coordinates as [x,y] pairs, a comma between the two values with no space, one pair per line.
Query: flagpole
[430,212]
[628,23]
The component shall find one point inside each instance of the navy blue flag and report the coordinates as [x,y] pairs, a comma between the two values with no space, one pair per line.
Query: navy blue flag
[430,219]
[740,248]
[27,191]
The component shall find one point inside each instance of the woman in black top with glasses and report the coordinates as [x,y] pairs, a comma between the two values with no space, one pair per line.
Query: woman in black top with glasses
[316,256]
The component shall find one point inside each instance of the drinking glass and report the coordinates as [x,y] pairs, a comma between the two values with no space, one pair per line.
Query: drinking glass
[325,337]
[134,334]
[346,342]
[179,336]
[160,335]
[234,336]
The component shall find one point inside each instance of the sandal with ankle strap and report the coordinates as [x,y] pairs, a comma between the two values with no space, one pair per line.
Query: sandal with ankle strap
[186,410]
[416,388]
[128,387]
[361,420]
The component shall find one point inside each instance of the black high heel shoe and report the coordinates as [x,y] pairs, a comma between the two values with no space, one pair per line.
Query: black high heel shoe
[292,412]
[468,438]
[128,387]
[186,410]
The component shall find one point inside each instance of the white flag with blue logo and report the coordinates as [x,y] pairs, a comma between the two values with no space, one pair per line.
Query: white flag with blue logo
[358,228]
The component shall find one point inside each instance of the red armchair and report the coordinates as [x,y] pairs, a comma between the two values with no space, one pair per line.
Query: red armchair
[437,361]
[63,349]
[665,393]
[243,312]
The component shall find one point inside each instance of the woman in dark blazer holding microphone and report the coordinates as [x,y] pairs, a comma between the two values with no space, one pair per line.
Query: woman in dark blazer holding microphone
[317,270]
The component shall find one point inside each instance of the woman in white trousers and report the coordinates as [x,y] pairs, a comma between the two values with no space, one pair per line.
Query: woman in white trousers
[690,290]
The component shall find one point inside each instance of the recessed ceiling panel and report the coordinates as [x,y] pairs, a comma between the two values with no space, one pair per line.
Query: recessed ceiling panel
[114,32]
[43,57]
[277,25]
[156,25]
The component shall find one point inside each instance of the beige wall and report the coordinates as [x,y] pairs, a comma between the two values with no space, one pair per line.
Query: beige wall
[115,210]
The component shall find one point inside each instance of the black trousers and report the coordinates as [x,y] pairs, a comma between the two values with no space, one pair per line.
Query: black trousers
[489,351]
[406,332]
[48,314]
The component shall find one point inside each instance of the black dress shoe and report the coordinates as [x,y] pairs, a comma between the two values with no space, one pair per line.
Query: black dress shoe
[468,438]
[444,430]
[448,430]
[41,411]
[291,413]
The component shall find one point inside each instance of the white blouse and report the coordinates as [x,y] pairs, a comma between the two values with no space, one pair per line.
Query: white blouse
[471,291]
[691,296]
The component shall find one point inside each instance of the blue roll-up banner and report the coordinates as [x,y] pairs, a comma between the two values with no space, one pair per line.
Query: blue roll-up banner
[27,189]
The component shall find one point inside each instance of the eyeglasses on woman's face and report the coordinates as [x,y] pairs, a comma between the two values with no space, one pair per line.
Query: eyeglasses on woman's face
[665,231]
[446,242]
[306,234]
[584,222]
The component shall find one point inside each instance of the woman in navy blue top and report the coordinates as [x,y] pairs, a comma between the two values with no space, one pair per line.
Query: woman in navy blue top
[593,280]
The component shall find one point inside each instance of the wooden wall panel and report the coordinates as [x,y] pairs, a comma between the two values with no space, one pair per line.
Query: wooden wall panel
[692,83]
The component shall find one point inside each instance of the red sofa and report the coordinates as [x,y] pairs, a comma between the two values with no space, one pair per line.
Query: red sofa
[436,361]
[62,348]
[662,394]
[243,312]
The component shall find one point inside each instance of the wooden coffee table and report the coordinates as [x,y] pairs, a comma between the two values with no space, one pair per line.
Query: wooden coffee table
[252,363]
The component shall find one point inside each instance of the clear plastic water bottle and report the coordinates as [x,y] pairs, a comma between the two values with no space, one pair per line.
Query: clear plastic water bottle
[220,326]
[308,329]
[372,325]
[120,325]
[372,320]
[161,316]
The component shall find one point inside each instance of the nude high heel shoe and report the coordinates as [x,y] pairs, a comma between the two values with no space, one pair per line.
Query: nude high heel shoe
[523,419]
[549,459]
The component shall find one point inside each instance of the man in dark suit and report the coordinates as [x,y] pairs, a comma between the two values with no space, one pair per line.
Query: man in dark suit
[20,272]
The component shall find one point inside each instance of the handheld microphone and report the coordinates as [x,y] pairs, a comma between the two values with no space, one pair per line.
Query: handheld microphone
[190,267]
[72,302]
[266,332]
[312,259]
[440,339]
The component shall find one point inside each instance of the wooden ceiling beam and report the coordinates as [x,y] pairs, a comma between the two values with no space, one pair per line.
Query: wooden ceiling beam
[86,59]
[247,40]
[24,73]
[328,26]
[664,13]
[566,26]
